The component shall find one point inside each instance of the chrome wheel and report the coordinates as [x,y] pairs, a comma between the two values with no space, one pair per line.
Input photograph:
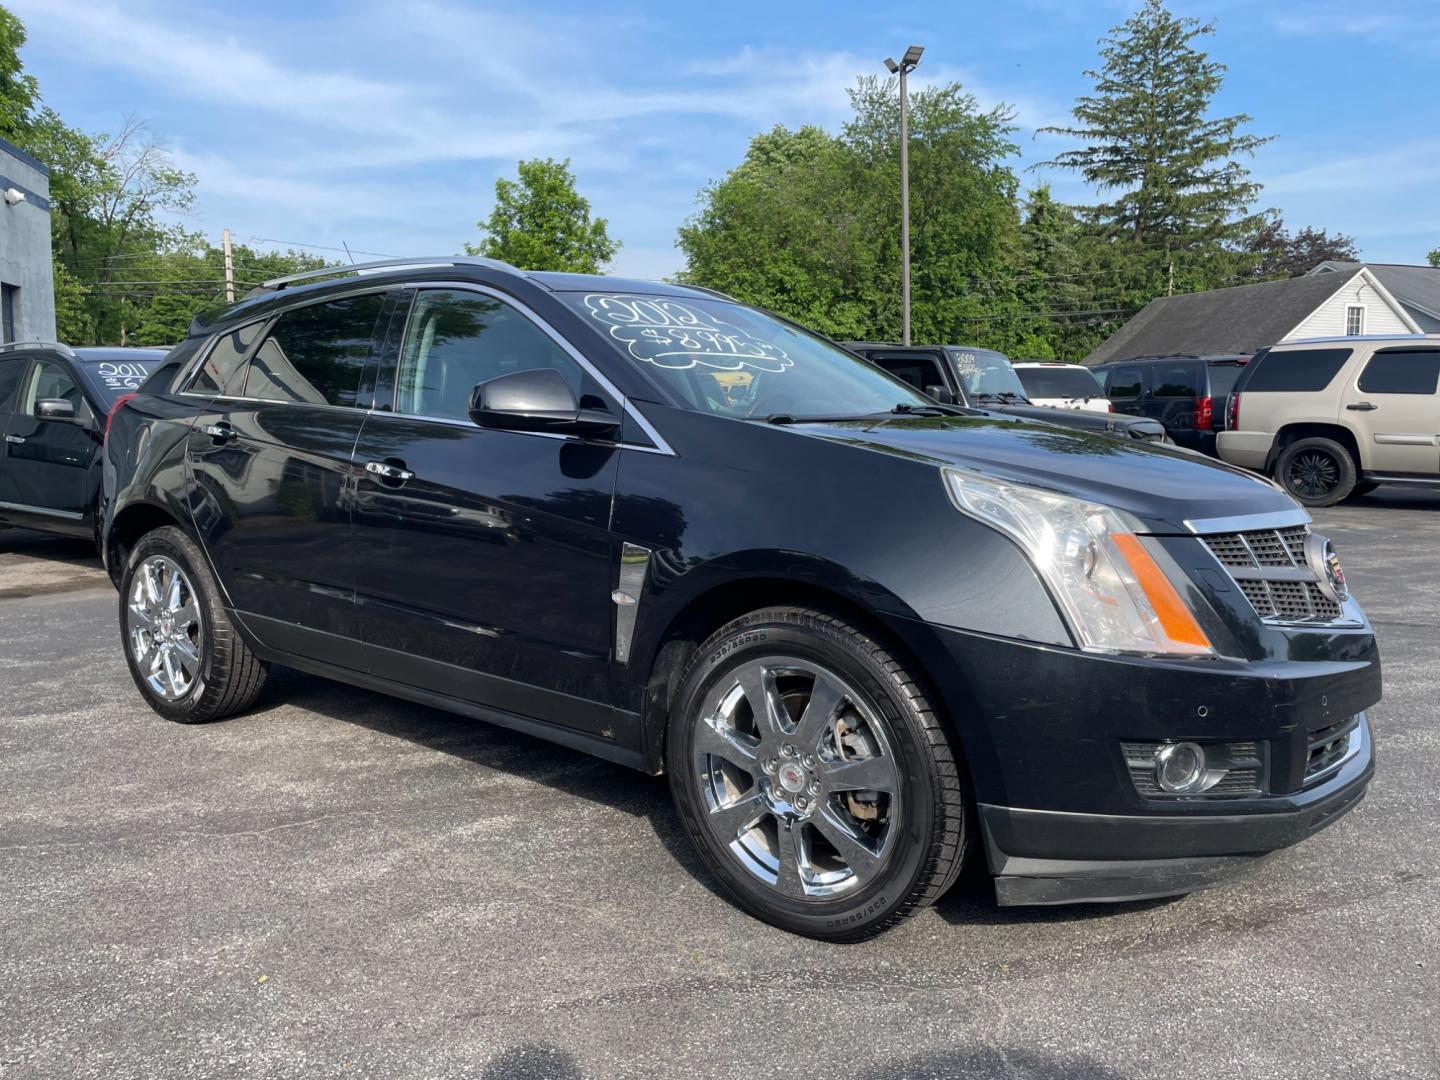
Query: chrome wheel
[163,627]
[799,777]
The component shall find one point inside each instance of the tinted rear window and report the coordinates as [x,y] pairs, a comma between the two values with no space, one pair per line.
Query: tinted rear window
[1401,371]
[1223,377]
[317,353]
[220,373]
[918,371]
[1176,380]
[1055,382]
[11,368]
[1292,371]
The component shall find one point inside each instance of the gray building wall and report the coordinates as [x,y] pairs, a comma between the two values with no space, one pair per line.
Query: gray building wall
[25,247]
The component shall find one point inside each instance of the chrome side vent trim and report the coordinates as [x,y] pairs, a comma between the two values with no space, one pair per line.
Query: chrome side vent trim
[634,565]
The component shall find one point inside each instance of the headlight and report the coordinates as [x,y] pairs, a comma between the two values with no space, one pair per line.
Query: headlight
[1114,595]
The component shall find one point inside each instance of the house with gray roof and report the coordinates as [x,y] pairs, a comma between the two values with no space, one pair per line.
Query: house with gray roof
[1245,318]
[1416,287]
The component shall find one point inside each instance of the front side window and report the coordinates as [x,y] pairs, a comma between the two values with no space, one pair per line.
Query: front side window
[716,356]
[50,379]
[1294,371]
[317,353]
[11,368]
[1354,320]
[1126,382]
[918,371]
[458,338]
[1401,371]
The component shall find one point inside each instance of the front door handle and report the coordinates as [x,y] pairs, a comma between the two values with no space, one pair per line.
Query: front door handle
[1362,406]
[386,471]
[221,432]
[16,439]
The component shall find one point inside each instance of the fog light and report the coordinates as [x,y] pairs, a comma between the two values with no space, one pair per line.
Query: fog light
[1180,767]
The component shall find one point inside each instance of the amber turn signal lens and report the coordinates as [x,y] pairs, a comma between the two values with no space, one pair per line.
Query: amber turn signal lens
[1174,615]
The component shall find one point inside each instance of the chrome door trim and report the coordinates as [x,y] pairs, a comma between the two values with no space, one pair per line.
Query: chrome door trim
[68,515]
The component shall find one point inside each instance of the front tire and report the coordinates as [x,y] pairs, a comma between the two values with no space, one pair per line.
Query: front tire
[181,647]
[814,776]
[1316,471]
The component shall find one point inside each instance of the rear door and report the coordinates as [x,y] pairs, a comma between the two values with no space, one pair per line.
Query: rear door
[1175,384]
[49,471]
[12,367]
[483,557]
[1393,407]
[1125,387]
[270,461]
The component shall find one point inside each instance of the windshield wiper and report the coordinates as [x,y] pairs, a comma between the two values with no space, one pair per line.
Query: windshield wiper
[908,409]
[1006,396]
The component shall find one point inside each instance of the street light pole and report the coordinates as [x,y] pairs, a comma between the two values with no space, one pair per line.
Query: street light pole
[907,64]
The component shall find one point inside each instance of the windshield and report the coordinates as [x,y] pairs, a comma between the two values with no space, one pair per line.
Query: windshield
[1059,382]
[111,378]
[723,358]
[985,373]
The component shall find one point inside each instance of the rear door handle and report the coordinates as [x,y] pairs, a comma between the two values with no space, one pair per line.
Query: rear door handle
[1362,406]
[387,471]
[16,439]
[221,432]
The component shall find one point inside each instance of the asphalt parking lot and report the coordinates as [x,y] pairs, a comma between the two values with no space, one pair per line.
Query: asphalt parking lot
[339,884]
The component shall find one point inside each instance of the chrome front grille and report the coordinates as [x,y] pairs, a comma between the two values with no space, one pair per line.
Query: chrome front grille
[1270,568]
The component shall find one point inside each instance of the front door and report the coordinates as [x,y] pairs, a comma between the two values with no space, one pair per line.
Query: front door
[1394,408]
[48,475]
[483,558]
[270,461]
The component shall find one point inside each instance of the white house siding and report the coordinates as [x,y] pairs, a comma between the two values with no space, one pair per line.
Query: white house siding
[1328,320]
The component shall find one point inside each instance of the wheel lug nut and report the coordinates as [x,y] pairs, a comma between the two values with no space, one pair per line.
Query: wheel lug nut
[788,750]
[802,803]
[814,787]
[809,761]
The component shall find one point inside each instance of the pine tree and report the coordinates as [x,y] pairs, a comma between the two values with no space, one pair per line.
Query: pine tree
[1150,138]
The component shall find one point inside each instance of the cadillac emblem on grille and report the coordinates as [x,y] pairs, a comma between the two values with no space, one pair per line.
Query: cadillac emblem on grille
[1321,556]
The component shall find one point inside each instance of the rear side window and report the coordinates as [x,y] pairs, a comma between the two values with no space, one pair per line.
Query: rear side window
[1401,371]
[918,371]
[1223,377]
[10,371]
[221,372]
[1291,371]
[456,339]
[316,354]
[1177,380]
[1125,382]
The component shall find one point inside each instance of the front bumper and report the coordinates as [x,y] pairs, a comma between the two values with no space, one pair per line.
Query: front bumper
[1056,857]
[1061,815]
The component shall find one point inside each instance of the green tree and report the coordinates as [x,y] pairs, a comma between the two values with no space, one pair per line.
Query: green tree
[1181,195]
[541,222]
[1434,257]
[1284,254]
[808,224]
[19,92]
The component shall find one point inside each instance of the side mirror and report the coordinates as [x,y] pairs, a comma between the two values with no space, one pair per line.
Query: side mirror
[55,409]
[536,400]
[942,394]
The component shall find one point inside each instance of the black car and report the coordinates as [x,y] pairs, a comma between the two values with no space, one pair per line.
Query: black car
[1187,394]
[53,405]
[865,634]
[986,379]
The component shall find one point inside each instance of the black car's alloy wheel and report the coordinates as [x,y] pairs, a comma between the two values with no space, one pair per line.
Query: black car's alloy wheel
[814,776]
[180,644]
[1316,471]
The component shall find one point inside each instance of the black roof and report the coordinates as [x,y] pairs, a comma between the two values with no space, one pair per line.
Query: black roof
[1236,320]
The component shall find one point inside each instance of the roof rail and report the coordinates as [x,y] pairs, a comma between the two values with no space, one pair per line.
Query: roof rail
[12,346]
[381,266]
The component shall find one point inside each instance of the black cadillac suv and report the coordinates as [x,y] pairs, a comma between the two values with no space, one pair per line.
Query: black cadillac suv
[863,633]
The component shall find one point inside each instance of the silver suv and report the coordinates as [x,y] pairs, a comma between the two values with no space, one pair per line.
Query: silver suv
[1331,417]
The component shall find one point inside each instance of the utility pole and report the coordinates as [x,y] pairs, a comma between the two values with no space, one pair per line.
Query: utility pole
[907,64]
[229,269]
[1170,279]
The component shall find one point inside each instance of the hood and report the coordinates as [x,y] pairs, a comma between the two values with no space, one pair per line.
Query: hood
[1114,423]
[1161,486]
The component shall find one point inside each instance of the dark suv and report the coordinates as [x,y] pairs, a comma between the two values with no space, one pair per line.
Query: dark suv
[53,405]
[1187,394]
[863,633]
[986,379]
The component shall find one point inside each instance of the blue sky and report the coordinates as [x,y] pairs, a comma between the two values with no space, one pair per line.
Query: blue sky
[384,125]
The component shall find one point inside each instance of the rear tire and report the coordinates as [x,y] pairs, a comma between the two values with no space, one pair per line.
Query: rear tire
[777,799]
[182,649]
[1316,471]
